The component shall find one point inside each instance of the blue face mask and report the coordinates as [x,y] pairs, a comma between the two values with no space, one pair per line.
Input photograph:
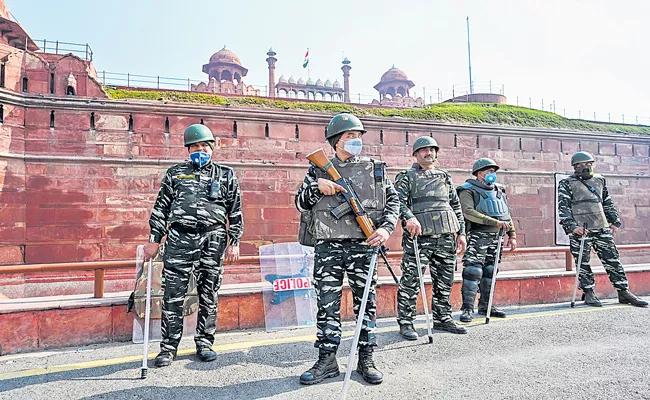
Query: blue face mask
[200,158]
[491,177]
[353,146]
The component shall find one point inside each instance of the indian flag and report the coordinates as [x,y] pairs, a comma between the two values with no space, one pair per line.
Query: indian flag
[304,64]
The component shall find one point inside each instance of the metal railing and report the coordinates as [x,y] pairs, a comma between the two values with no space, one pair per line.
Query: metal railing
[82,50]
[99,267]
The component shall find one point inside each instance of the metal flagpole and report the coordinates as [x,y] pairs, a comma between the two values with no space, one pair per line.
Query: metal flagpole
[469,59]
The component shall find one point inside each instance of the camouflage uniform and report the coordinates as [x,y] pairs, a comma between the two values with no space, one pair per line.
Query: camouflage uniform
[195,225]
[482,241]
[599,234]
[437,250]
[335,255]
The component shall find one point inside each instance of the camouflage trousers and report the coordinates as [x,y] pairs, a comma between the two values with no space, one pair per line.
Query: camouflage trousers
[202,255]
[332,260]
[437,252]
[603,243]
[478,267]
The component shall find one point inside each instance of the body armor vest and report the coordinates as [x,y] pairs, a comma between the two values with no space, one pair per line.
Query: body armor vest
[366,177]
[430,201]
[587,202]
[491,202]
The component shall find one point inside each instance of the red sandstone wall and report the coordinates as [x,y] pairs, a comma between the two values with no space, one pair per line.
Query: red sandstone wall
[57,208]
[38,67]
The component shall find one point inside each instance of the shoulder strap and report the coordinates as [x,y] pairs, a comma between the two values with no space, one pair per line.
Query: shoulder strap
[592,190]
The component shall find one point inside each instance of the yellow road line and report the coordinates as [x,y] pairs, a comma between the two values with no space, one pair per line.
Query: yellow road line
[269,342]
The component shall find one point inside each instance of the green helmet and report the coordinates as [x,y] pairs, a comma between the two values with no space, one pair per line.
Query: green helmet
[483,163]
[582,156]
[197,133]
[425,141]
[342,123]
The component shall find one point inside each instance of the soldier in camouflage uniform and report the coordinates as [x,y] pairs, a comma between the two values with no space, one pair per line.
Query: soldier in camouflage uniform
[431,214]
[341,246]
[583,199]
[486,216]
[197,198]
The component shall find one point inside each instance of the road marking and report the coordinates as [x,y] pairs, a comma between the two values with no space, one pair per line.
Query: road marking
[270,342]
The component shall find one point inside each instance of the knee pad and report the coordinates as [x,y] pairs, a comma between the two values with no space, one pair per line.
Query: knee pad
[488,271]
[472,273]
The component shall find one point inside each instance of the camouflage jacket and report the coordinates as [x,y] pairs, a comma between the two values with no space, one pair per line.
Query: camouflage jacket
[565,199]
[183,199]
[308,195]
[404,187]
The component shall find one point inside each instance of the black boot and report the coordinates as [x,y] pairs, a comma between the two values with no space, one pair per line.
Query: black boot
[495,312]
[325,367]
[163,359]
[408,332]
[366,366]
[626,297]
[206,354]
[591,299]
[466,316]
[449,326]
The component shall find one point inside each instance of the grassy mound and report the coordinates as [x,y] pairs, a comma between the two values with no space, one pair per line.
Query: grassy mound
[472,113]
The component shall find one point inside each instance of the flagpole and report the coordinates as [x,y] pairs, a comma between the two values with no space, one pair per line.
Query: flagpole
[308,66]
[469,60]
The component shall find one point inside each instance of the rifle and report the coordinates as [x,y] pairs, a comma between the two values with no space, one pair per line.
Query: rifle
[320,159]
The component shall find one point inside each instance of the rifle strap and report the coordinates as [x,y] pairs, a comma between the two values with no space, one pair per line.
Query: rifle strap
[326,166]
[379,172]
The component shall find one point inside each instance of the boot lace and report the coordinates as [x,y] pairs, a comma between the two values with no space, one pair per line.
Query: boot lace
[367,361]
[321,362]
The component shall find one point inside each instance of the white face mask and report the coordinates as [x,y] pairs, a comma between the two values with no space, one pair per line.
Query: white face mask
[353,146]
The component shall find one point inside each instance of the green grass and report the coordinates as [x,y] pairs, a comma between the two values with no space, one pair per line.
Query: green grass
[473,113]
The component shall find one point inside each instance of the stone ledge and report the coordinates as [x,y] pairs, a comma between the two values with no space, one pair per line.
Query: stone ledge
[25,324]
[120,298]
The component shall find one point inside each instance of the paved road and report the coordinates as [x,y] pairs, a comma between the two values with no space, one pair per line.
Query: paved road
[541,352]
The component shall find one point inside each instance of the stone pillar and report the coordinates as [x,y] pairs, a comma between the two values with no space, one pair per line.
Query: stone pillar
[346,79]
[271,60]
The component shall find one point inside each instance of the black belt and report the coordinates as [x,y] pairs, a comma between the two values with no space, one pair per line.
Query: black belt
[197,229]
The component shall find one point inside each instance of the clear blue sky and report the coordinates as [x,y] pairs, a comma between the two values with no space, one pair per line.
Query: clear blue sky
[585,55]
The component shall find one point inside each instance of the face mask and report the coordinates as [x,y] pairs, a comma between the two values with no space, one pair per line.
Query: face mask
[200,158]
[585,172]
[353,146]
[491,177]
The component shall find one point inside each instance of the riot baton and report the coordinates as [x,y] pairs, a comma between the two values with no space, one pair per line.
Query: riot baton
[579,265]
[360,315]
[416,249]
[147,317]
[494,277]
